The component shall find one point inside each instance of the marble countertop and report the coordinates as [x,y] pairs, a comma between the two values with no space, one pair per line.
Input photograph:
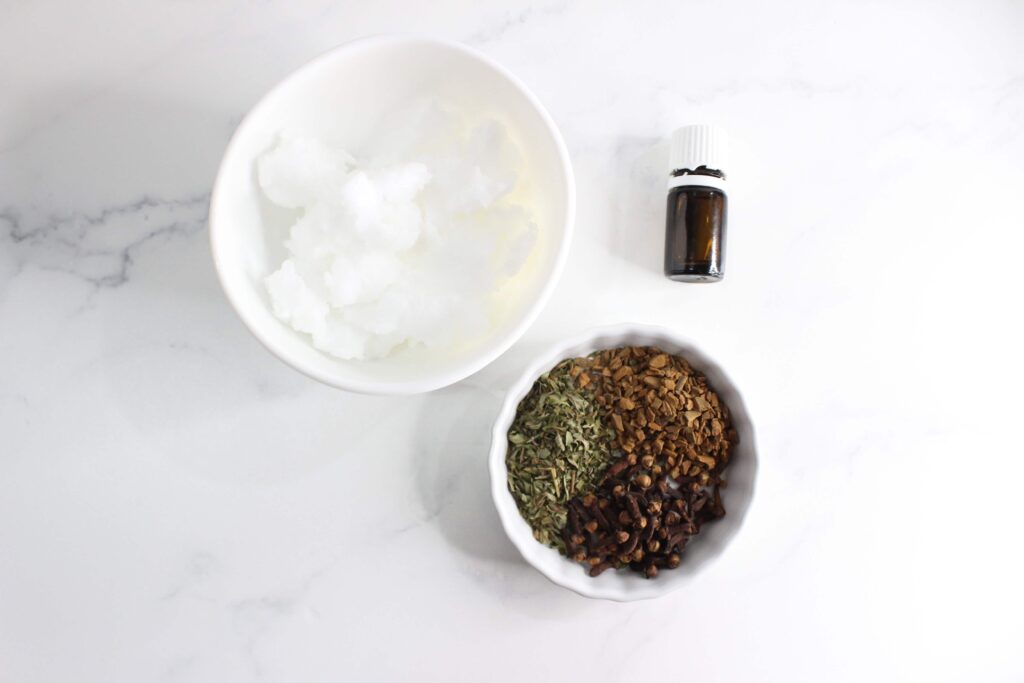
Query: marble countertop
[177,505]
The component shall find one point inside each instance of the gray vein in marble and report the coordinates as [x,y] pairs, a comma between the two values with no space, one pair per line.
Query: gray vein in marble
[179,668]
[1009,91]
[98,248]
[795,86]
[252,618]
[511,21]
[419,522]
[201,566]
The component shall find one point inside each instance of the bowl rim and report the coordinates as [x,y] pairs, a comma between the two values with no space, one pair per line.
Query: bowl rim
[508,511]
[491,352]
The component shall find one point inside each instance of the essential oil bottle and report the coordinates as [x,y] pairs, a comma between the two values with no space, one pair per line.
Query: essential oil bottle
[696,216]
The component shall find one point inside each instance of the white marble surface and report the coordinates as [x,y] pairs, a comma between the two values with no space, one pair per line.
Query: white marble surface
[176,505]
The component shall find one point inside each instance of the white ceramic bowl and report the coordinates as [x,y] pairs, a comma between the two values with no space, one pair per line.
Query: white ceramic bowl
[340,96]
[714,536]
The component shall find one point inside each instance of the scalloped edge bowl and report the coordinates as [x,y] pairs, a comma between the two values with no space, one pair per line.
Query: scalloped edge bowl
[624,586]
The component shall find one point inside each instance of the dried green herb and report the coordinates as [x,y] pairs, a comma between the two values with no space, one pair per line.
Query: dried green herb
[558,449]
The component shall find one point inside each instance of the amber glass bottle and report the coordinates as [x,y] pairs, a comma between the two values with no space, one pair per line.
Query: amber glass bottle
[695,219]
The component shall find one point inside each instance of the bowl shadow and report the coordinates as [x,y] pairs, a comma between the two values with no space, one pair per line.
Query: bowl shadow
[453,429]
[453,479]
[639,201]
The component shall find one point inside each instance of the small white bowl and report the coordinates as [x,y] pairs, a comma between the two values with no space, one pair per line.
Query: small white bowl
[624,585]
[339,97]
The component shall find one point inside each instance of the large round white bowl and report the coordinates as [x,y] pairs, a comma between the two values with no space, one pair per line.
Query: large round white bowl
[339,97]
[714,536]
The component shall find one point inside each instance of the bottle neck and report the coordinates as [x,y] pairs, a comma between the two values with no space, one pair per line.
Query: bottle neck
[697,180]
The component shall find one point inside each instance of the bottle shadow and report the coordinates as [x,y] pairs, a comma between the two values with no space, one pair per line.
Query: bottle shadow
[638,206]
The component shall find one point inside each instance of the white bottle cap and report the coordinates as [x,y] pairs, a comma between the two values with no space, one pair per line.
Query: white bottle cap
[696,146]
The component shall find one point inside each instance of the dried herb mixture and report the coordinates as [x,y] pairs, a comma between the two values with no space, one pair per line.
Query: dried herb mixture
[617,459]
